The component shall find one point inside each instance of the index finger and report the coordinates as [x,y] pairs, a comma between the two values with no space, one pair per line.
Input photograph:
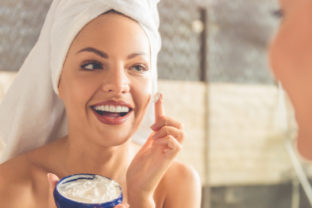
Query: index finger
[159,108]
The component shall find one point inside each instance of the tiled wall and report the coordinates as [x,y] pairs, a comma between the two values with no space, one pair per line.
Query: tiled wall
[239,34]
[249,125]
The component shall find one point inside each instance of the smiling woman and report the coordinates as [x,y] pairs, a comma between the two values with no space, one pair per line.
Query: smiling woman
[105,76]
[99,66]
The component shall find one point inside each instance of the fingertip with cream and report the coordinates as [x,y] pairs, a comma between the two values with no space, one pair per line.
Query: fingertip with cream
[157,97]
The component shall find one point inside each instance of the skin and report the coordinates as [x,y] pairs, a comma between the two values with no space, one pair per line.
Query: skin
[149,175]
[290,58]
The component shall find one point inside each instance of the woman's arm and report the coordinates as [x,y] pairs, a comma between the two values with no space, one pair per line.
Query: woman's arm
[183,187]
[15,186]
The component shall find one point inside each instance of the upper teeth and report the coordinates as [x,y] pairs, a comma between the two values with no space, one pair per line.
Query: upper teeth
[112,108]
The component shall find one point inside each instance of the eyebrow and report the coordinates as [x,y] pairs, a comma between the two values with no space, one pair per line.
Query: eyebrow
[133,55]
[93,50]
[104,55]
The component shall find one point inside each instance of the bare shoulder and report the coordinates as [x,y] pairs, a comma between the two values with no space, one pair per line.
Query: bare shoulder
[14,182]
[182,186]
[13,171]
[23,179]
[182,172]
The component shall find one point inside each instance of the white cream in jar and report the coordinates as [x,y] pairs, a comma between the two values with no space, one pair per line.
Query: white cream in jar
[89,189]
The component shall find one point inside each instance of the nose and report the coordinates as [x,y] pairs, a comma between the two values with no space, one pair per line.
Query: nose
[116,81]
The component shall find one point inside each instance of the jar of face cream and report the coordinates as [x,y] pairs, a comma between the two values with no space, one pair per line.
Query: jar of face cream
[86,191]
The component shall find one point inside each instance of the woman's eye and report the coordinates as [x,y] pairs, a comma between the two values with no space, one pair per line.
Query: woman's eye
[278,13]
[139,68]
[92,66]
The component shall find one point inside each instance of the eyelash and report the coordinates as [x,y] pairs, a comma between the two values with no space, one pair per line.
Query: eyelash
[278,13]
[142,67]
[96,65]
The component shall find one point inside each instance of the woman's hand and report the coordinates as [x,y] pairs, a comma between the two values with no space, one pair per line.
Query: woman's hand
[153,159]
[52,179]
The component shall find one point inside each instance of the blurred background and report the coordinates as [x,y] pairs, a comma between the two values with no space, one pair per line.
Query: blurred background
[215,76]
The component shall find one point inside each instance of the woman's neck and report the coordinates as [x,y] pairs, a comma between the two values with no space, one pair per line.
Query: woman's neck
[82,156]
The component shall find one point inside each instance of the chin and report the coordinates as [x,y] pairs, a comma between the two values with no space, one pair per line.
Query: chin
[116,136]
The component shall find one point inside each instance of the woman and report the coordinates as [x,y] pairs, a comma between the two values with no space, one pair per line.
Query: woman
[290,58]
[96,59]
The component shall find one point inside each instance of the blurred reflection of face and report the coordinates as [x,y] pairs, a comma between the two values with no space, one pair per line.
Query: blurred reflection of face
[291,60]
[106,80]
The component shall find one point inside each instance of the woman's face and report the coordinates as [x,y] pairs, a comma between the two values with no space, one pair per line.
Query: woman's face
[106,80]
[291,60]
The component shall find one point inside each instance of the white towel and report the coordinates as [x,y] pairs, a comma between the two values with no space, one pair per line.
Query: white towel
[31,114]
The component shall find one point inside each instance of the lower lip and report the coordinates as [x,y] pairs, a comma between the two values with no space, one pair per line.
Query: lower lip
[111,120]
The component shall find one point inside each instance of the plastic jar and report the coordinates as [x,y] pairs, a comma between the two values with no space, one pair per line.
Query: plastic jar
[86,191]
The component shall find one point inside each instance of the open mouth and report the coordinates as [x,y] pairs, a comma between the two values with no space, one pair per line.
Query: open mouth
[112,111]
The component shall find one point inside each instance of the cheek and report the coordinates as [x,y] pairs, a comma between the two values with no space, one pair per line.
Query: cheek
[278,52]
[291,63]
[75,91]
[292,48]
[274,58]
[142,92]
[291,52]
[282,67]
[284,54]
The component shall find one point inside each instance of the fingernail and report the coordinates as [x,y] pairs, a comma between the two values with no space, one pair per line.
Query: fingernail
[157,96]
[155,126]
